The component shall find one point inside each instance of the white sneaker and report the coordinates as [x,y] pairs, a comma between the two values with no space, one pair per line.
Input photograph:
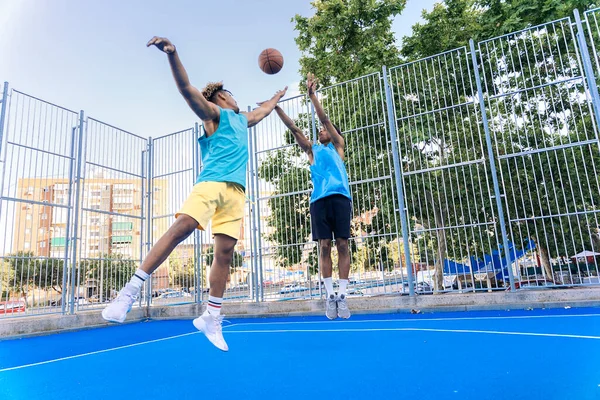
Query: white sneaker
[118,309]
[331,307]
[211,326]
[342,307]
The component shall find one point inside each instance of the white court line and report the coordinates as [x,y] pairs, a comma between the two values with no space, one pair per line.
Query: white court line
[418,330]
[335,330]
[96,352]
[411,320]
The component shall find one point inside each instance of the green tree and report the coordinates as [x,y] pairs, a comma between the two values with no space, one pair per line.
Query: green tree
[110,272]
[345,39]
[28,271]
[534,119]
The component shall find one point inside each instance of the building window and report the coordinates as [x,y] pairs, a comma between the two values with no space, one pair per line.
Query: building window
[44,216]
[41,231]
[27,245]
[28,231]
[28,217]
[42,245]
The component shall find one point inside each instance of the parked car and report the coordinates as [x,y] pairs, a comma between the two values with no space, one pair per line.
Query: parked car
[292,288]
[12,306]
[423,288]
[241,286]
[174,295]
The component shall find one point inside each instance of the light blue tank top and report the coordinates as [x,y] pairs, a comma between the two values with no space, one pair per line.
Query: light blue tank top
[328,173]
[225,152]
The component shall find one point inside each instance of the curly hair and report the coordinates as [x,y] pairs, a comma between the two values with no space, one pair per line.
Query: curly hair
[211,89]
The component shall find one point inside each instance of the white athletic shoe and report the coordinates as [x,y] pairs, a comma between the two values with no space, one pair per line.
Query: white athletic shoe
[342,307]
[118,309]
[331,307]
[211,326]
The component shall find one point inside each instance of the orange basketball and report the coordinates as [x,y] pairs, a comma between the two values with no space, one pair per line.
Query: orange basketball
[270,61]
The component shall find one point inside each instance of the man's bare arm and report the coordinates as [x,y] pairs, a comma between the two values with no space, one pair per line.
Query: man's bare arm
[203,108]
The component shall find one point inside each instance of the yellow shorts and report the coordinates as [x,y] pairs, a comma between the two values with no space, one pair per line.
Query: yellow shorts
[221,202]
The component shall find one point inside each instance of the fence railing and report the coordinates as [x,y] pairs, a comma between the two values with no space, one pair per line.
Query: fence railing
[471,170]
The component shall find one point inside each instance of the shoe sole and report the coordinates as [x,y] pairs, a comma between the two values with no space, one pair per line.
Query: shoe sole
[201,326]
[112,319]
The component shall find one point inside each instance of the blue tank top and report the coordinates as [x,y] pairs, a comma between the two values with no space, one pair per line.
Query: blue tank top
[328,173]
[225,152]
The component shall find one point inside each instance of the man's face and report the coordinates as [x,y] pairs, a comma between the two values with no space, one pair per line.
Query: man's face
[230,101]
[324,136]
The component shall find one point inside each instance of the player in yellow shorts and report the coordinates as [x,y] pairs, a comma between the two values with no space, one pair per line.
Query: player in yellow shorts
[218,194]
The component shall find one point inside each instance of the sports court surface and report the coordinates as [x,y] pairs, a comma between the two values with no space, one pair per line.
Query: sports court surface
[540,354]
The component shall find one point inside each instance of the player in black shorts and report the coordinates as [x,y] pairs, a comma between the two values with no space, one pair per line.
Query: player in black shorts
[330,203]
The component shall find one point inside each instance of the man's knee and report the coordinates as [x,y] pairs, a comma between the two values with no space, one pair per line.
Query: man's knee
[325,246]
[224,249]
[342,246]
[183,227]
[223,257]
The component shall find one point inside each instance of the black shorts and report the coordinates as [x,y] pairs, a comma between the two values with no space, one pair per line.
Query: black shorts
[331,215]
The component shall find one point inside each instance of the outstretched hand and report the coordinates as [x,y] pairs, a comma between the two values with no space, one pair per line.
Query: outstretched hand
[311,83]
[277,96]
[163,44]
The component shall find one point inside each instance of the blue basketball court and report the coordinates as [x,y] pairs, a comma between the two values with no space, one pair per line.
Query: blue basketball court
[541,354]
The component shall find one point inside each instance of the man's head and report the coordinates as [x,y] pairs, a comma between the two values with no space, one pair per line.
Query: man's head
[324,136]
[215,93]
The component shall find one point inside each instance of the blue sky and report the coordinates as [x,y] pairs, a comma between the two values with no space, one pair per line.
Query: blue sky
[91,55]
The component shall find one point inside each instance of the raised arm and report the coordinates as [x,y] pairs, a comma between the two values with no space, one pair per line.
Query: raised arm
[336,138]
[302,141]
[204,109]
[265,108]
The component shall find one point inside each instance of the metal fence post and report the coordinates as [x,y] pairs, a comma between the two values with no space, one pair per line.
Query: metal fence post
[588,69]
[3,112]
[3,103]
[198,266]
[253,204]
[259,264]
[143,210]
[492,163]
[66,260]
[75,227]
[399,184]
[315,138]
[149,211]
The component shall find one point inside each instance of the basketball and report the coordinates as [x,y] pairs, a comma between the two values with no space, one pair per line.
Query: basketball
[270,61]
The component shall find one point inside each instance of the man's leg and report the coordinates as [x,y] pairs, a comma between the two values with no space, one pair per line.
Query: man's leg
[326,266]
[344,268]
[327,270]
[342,212]
[179,231]
[209,323]
[219,270]
[343,258]
[183,227]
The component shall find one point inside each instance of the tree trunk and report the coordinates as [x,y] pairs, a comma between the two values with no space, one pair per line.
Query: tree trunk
[595,241]
[442,248]
[545,258]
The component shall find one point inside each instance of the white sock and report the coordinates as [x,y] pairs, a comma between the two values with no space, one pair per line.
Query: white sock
[214,305]
[329,286]
[343,285]
[138,279]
